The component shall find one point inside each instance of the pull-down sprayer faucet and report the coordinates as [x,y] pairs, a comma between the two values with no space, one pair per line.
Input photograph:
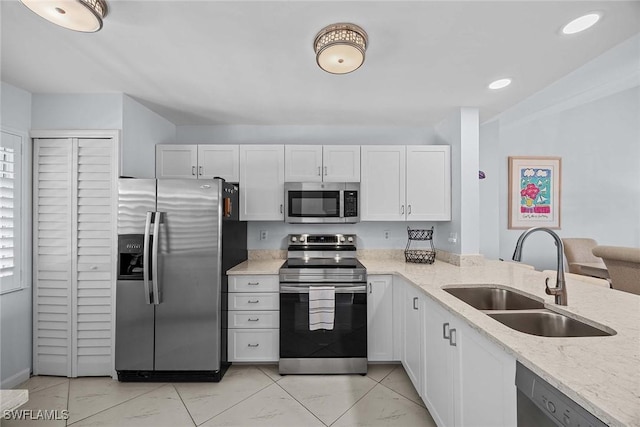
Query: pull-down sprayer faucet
[560,291]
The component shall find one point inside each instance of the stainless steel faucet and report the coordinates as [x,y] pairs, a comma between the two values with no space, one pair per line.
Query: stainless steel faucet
[560,291]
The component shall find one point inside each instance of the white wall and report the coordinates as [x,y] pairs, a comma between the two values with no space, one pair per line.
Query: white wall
[591,119]
[329,135]
[15,307]
[460,131]
[142,129]
[76,111]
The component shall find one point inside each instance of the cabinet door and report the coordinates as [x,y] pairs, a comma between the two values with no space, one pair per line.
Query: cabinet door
[176,161]
[398,314]
[438,376]
[219,160]
[428,183]
[380,319]
[485,386]
[261,182]
[303,163]
[341,163]
[383,183]
[413,335]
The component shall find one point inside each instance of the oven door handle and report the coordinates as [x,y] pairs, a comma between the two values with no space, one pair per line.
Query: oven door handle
[304,289]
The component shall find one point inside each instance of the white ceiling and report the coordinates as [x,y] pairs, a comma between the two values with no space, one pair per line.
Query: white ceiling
[240,62]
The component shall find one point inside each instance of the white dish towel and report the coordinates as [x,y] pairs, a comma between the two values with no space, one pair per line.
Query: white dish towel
[322,304]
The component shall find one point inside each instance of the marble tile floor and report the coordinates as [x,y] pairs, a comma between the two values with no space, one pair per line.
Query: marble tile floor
[247,396]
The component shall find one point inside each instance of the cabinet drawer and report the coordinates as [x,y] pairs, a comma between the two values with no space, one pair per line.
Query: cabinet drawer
[254,319]
[254,283]
[253,345]
[253,302]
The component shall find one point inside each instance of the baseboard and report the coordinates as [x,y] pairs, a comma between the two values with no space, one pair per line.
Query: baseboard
[16,379]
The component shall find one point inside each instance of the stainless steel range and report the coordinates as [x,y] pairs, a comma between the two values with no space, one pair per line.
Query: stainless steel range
[323,306]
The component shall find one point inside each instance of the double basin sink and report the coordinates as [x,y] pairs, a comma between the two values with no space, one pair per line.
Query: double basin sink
[523,313]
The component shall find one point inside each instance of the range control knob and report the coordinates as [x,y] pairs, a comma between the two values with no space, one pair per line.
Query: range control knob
[551,407]
[350,239]
[294,239]
[301,239]
[342,238]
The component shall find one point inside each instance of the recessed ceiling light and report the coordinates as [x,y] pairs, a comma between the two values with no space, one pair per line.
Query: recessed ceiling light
[581,23]
[499,84]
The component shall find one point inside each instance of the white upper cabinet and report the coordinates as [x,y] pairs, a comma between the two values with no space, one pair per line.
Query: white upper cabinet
[303,163]
[341,163]
[406,183]
[317,163]
[219,161]
[428,183]
[176,161]
[383,183]
[262,182]
[189,161]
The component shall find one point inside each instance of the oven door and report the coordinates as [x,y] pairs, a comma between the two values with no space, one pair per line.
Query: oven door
[348,339]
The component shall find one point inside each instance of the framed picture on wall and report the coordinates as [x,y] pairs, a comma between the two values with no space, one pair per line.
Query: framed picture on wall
[534,192]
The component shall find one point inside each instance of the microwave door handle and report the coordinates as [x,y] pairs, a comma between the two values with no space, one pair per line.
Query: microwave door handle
[155,279]
[145,257]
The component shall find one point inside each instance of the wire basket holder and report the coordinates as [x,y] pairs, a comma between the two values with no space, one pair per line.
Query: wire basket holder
[424,256]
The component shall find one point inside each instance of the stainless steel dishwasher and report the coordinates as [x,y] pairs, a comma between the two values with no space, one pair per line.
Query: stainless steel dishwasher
[541,405]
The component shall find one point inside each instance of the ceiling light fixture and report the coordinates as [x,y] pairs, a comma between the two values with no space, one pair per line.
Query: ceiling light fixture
[581,23]
[78,15]
[340,48]
[499,84]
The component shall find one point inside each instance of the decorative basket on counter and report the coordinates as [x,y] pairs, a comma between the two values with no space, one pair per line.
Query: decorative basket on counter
[423,256]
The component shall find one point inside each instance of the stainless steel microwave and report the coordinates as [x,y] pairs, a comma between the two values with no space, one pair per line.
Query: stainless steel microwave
[321,202]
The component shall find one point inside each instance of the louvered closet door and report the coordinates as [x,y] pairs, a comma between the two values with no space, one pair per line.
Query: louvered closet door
[96,197]
[52,273]
[74,239]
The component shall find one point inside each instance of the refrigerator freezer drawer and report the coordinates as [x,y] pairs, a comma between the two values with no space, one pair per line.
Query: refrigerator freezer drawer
[254,301]
[254,319]
[254,345]
[254,283]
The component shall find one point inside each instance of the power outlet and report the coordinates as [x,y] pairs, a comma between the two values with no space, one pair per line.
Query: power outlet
[453,238]
[387,234]
[263,234]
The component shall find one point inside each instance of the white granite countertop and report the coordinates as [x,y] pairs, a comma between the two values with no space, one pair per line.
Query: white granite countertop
[602,374]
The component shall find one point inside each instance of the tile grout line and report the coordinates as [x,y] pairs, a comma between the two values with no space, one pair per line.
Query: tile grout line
[405,397]
[354,404]
[66,421]
[237,403]
[302,404]
[121,403]
[184,404]
[44,388]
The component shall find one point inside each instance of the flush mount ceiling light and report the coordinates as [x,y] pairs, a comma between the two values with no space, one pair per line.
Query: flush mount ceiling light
[340,48]
[581,23]
[78,15]
[499,84]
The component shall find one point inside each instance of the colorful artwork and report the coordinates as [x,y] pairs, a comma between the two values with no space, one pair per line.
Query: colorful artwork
[534,188]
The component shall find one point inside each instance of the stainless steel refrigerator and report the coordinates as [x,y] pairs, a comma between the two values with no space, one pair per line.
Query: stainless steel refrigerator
[176,239]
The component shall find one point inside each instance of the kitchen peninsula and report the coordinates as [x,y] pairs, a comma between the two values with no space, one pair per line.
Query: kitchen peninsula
[599,373]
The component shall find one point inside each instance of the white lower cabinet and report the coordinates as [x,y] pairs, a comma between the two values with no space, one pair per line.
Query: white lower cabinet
[254,318]
[467,380]
[380,318]
[412,322]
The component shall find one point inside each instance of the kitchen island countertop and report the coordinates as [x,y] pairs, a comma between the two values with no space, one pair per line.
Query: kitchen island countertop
[602,374]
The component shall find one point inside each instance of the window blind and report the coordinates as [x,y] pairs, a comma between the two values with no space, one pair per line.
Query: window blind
[9,211]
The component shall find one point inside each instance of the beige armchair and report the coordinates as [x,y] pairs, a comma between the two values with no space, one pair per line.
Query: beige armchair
[579,250]
[623,265]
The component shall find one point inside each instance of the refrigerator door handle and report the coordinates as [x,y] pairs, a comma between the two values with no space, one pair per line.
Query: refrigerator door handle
[145,257]
[154,258]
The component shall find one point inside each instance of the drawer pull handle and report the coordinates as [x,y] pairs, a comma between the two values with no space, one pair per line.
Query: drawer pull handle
[253,301]
[415,303]
[253,283]
[253,345]
[254,320]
